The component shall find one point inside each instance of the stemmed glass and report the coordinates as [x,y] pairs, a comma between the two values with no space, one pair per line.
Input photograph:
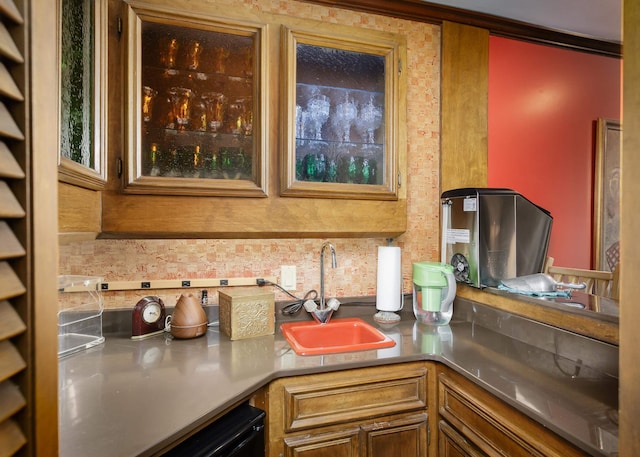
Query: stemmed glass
[148,97]
[241,114]
[216,104]
[369,121]
[343,118]
[301,122]
[318,113]
[181,106]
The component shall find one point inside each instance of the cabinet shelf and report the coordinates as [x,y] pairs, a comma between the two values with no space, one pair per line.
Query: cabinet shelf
[188,75]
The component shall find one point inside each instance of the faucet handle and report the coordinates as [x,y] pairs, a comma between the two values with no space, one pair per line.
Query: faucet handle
[333,303]
[310,306]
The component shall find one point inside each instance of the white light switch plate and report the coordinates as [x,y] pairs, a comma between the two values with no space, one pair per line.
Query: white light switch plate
[288,277]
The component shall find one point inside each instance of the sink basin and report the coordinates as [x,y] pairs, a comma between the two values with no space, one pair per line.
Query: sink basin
[339,335]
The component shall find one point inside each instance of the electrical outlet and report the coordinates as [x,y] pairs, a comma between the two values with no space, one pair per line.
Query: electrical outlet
[288,277]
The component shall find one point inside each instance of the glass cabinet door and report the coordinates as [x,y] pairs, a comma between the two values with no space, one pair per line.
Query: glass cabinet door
[194,106]
[83,89]
[341,116]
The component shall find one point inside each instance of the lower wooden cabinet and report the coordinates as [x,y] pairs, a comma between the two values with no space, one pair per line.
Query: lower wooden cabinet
[403,410]
[401,436]
[475,423]
[373,412]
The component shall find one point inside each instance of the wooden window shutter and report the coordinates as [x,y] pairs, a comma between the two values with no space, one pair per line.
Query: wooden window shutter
[13,233]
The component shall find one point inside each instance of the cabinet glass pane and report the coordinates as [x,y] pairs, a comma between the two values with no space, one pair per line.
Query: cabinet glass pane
[83,89]
[340,103]
[343,118]
[197,103]
[77,76]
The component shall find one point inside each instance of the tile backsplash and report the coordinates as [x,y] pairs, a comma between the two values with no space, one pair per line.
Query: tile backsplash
[127,260]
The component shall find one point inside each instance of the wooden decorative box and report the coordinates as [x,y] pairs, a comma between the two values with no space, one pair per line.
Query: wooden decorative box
[246,312]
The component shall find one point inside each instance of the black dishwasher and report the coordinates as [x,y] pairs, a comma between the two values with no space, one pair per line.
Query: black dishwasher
[239,433]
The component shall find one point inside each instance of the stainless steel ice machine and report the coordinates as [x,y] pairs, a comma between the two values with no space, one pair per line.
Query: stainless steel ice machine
[489,234]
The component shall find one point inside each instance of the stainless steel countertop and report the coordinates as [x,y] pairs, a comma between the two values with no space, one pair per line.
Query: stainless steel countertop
[130,398]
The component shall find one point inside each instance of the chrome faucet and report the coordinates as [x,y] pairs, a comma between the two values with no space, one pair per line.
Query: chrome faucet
[334,264]
[323,314]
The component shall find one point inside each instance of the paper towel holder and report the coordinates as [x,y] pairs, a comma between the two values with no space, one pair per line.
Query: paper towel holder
[389,293]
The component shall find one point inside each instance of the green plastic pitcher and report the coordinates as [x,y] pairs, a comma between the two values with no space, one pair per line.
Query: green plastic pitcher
[434,289]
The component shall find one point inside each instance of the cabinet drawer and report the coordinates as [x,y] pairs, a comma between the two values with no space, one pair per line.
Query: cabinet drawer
[342,443]
[491,425]
[330,398]
[399,435]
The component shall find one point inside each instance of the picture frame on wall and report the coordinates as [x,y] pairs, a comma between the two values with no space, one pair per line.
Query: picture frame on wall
[606,201]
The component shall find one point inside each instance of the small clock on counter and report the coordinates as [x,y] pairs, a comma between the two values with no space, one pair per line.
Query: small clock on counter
[148,318]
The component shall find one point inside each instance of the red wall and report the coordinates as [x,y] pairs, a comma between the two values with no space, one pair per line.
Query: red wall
[543,105]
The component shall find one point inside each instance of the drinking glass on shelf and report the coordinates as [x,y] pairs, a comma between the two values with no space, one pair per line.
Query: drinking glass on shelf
[241,116]
[199,115]
[198,162]
[343,118]
[301,122]
[193,55]
[314,167]
[169,51]
[369,120]
[185,162]
[246,61]
[216,104]
[172,163]
[148,97]
[246,123]
[153,161]
[211,166]
[332,171]
[181,106]
[318,112]
[220,56]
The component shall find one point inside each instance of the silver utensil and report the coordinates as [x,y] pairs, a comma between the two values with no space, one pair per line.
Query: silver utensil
[539,282]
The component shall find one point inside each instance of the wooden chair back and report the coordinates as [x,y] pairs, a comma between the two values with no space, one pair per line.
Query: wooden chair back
[599,282]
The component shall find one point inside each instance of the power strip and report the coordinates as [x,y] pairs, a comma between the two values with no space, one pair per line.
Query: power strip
[175,283]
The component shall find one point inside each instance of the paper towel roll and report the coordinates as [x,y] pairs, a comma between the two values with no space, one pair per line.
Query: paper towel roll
[389,285]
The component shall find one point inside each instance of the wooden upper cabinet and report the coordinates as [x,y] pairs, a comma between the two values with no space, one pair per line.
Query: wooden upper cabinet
[342,111]
[464,100]
[195,105]
[202,115]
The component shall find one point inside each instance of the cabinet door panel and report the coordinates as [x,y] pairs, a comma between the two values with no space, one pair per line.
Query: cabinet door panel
[493,426]
[195,110]
[83,89]
[342,113]
[404,437]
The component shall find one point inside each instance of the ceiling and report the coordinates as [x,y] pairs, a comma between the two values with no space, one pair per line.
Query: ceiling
[598,19]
